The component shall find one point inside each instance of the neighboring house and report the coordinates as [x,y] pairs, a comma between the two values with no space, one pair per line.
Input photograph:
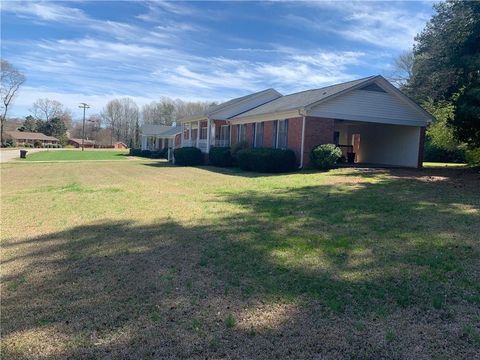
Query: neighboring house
[78,143]
[369,117]
[157,137]
[120,145]
[25,137]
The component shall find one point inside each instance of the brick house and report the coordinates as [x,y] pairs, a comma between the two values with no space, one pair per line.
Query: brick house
[120,145]
[77,143]
[20,138]
[368,117]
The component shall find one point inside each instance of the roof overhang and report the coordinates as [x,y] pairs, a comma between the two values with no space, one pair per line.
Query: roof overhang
[267,117]
[369,119]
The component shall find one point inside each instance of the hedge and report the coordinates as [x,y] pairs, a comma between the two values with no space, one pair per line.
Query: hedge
[220,156]
[188,156]
[266,160]
[325,156]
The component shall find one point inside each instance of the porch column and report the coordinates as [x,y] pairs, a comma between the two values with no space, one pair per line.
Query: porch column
[144,142]
[183,135]
[198,134]
[190,133]
[209,130]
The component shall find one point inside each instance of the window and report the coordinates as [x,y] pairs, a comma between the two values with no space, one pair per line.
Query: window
[224,135]
[274,133]
[258,135]
[282,134]
[336,137]
[242,132]
[203,133]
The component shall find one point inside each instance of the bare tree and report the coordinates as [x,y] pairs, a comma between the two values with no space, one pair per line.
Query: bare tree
[166,111]
[402,69]
[121,115]
[111,115]
[11,80]
[46,109]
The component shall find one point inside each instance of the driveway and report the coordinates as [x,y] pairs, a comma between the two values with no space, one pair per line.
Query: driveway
[9,155]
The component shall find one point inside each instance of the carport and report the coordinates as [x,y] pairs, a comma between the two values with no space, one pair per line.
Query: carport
[377,143]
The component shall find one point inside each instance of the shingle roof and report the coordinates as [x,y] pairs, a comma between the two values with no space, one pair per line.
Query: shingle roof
[300,99]
[215,108]
[26,135]
[85,142]
[160,130]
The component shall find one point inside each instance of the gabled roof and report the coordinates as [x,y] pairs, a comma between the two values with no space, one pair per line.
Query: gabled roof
[301,99]
[85,141]
[303,102]
[160,130]
[212,110]
[27,135]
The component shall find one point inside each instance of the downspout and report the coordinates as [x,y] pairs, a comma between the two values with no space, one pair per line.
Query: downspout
[302,112]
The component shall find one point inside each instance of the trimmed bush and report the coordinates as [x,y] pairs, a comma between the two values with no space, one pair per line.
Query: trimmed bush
[145,153]
[325,156]
[242,145]
[156,155]
[220,156]
[134,152]
[266,160]
[188,156]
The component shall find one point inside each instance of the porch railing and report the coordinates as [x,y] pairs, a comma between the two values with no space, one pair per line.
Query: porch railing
[222,143]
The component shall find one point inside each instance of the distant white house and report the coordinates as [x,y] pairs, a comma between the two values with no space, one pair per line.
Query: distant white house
[157,137]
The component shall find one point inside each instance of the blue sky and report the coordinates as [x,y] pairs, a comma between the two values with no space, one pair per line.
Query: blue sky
[93,51]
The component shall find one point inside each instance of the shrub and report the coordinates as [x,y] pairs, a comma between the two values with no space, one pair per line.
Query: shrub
[134,152]
[156,155]
[266,160]
[188,156]
[438,154]
[473,156]
[164,153]
[220,156]
[325,156]
[145,153]
[37,144]
[242,145]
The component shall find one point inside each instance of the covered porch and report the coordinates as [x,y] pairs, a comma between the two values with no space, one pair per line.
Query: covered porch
[378,143]
[205,133]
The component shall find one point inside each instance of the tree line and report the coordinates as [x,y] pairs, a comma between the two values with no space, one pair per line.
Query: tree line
[442,73]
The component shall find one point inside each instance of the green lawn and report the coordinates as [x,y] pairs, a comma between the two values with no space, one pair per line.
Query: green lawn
[67,155]
[440,165]
[139,259]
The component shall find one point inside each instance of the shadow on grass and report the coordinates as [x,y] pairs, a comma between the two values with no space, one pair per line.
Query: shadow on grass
[124,289]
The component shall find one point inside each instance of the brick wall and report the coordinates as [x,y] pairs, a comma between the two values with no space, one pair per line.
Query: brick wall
[295,136]
[317,131]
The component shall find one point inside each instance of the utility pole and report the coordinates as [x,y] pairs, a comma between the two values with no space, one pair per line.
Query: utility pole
[83,106]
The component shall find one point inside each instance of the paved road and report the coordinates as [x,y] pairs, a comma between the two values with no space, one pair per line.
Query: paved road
[9,155]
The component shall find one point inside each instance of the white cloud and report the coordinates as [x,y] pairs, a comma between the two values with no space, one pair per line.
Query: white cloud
[383,24]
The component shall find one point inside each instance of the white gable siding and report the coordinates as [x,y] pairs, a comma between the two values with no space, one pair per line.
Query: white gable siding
[245,106]
[370,106]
